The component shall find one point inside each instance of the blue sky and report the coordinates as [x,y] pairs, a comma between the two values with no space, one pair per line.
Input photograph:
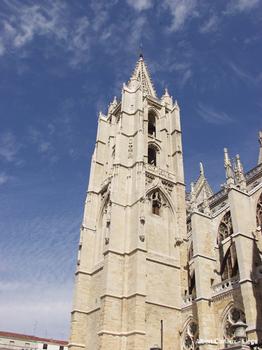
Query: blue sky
[61,62]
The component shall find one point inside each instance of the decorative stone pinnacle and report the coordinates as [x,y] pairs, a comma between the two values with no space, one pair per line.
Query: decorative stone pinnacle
[201,169]
[166,92]
[192,186]
[239,173]
[228,168]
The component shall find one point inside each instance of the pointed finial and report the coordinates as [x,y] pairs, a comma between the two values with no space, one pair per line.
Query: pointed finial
[260,147]
[228,167]
[239,173]
[141,56]
[166,92]
[167,99]
[201,169]
[192,187]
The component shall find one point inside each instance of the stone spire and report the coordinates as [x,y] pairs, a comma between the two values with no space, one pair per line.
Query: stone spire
[260,147]
[228,168]
[141,74]
[239,173]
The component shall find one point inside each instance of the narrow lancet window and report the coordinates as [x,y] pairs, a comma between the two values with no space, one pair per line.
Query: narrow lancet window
[152,124]
[151,155]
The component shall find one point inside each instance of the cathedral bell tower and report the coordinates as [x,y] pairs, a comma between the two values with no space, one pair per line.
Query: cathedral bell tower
[130,270]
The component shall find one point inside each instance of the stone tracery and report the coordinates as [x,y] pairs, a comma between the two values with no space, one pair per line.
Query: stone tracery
[225,228]
[191,336]
[233,317]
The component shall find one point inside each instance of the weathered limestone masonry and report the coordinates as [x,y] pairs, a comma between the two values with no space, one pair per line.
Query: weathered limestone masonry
[157,266]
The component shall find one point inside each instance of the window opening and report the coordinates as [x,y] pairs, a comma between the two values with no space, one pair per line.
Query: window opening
[152,155]
[152,125]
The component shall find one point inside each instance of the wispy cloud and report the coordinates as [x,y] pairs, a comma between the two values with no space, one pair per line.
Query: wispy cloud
[3,178]
[27,21]
[210,25]
[244,75]
[209,115]
[235,6]
[9,147]
[181,11]
[140,5]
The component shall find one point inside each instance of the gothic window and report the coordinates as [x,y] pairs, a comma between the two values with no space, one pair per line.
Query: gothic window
[259,211]
[152,155]
[156,203]
[151,124]
[225,228]
[229,264]
[190,251]
[191,283]
[191,336]
[233,318]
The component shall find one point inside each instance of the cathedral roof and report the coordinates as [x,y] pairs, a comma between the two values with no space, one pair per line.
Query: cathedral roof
[141,74]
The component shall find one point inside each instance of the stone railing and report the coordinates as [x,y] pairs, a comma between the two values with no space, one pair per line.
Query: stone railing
[217,198]
[160,172]
[188,299]
[252,174]
[226,286]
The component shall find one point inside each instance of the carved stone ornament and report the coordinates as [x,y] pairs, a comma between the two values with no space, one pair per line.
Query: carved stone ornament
[149,179]
[142,238]
[130,149]
[259,212]
[168,185]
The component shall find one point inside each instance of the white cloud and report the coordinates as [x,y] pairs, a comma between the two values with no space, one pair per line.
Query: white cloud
[28,21]
[140,5]
[80,42]
[241,5]
[243,75]
[181,11]
[8,147]
[3,178]
[210,25]
[211,116]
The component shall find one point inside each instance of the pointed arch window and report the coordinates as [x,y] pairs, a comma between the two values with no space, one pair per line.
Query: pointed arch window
[152,155]
[229,264]
[234,318]
[152,124]
[259,211]
[225,228]
[228,259]
[191,336]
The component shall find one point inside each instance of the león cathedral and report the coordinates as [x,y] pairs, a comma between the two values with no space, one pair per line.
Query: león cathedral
[159,268]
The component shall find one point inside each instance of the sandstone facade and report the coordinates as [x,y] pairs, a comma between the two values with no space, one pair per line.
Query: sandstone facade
[157,265]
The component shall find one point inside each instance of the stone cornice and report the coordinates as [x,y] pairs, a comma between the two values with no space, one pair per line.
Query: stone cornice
[203,257]
[163,305]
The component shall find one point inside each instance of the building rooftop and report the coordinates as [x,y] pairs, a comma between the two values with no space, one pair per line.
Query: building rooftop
[32,338]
